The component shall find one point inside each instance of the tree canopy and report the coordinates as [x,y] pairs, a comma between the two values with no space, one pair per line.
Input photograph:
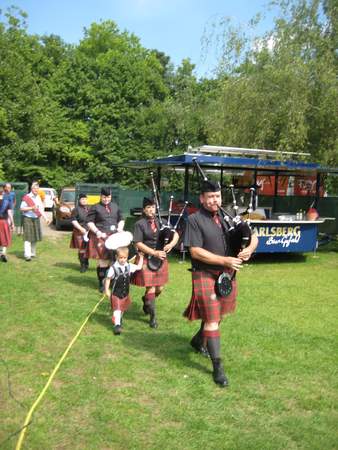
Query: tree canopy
[69,112]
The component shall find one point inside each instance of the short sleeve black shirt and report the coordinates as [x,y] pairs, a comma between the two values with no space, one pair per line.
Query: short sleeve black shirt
[105,220]
[143,232]
[203,232]
[80,214]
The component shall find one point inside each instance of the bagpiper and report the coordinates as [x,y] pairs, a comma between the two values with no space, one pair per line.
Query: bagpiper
[146,235]
[103,219]
[207,237]
[79,238]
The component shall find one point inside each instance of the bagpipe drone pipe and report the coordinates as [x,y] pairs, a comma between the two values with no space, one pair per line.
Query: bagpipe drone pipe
[166,232]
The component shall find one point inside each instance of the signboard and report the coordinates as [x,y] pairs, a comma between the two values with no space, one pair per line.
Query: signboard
[283,237]
[289,185]
[266,185]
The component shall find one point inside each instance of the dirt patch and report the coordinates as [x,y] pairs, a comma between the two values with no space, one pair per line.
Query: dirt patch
[50,231]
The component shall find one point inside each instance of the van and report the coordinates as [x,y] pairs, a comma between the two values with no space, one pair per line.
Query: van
[62,209]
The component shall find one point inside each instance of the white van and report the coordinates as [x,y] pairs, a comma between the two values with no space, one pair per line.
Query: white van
[50,195]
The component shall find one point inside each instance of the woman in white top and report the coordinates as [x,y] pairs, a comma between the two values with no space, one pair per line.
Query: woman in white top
[32,209]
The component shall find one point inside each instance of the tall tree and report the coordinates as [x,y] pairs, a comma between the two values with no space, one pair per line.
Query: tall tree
[280,91]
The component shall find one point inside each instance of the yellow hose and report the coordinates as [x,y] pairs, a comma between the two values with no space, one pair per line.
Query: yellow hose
[42,393]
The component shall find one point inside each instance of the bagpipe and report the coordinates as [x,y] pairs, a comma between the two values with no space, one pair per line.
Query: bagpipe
[237,235]
[166,232]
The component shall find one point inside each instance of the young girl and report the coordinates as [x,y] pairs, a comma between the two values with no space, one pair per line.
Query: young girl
[119,274]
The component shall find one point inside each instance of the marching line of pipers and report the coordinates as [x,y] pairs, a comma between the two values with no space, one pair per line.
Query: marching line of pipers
[206,235]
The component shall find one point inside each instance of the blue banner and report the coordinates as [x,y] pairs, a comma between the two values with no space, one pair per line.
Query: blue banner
[282,237]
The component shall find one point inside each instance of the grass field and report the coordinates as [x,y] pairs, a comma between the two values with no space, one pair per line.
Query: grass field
[146,389]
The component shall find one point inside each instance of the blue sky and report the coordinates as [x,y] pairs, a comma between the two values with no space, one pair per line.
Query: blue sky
[175,27]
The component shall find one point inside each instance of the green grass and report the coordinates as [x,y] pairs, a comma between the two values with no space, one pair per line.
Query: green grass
[146,389]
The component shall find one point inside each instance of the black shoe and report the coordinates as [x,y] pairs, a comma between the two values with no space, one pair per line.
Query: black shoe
[117,329]
[153,323]
[198,346]
[4,258]
[28,259]
[218,373]
[83,268]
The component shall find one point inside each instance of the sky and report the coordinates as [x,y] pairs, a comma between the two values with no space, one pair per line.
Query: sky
[175,27]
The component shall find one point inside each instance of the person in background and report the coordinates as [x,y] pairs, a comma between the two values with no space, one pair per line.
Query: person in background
[32,209]
[80,231]
[103,219]
[42,195]
[6,221]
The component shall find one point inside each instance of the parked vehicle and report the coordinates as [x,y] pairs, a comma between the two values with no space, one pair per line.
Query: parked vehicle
[63,207]
[50,195]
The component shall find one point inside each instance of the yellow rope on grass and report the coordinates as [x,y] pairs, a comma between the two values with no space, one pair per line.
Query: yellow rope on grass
[37,401]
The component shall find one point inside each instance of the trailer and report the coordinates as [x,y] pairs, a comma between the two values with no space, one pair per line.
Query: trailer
[282,226]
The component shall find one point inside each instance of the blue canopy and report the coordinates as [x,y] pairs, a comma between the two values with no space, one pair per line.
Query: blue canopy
[186,159]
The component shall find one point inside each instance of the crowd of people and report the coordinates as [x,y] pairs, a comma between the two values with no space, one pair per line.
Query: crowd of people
[206,235]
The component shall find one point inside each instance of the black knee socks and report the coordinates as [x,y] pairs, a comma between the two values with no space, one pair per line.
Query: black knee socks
[213,343]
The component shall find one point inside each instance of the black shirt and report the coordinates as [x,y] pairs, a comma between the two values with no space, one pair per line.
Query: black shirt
[106,220]
[203,232]
[80,213]
[144,233]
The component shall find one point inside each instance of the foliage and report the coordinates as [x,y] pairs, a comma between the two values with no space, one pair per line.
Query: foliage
[70,113]
[280,91]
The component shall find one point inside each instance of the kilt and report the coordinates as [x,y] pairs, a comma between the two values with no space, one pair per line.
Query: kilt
[31,229]
[121,304]
[96,248]
[77,240]
[5,233]
[204,303]
[147,278]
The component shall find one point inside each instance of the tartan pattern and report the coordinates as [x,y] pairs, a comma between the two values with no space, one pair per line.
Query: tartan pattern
[5,234]
[121,304]
[31,229]
[96,248]
[77,240]
[146,277]
[204,303]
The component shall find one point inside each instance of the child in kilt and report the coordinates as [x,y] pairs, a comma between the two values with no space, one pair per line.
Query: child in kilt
[118,275]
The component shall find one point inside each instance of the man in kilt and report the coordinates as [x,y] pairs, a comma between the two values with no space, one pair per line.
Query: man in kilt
[103,219]
[146,233]
[80,231]
[6,221]
[32,209]
[208,241]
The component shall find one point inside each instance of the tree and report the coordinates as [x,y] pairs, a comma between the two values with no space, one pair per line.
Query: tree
[280,91]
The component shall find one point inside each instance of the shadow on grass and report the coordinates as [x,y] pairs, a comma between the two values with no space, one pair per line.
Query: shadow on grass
[68,265]
[165,345]
[18,254]
[82,280]
[278,258]
[162,343]
[103,316]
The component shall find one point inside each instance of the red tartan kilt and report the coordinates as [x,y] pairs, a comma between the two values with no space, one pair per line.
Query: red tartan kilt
[204,303]
[96,248]
[121,304]
[77,240]
[146,277]
[5,233]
